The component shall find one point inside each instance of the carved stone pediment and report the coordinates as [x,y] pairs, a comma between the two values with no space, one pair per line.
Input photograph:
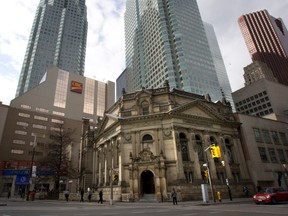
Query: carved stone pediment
[146,156]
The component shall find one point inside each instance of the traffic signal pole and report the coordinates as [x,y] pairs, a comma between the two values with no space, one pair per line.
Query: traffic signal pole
[209,174]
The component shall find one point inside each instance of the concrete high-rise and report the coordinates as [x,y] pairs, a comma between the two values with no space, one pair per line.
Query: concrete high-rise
[166,40]
[58,37]
[266,38]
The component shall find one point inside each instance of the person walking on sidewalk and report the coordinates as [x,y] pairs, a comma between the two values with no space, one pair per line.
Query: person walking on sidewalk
[174,196]
[82,195]
[100,197]
[9,194]
[66,195]
[246,191]
[89,191]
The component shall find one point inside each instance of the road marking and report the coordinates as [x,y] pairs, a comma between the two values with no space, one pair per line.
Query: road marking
[163,210]
[81,214]
[116,213]
[48,215]
[190,214]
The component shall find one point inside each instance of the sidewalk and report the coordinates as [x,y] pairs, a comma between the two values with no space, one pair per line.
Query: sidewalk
[4,201]
[195,203]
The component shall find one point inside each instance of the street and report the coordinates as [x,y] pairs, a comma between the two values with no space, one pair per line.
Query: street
[61,208]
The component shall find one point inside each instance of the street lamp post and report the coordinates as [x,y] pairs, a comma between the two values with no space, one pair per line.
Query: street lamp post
[83,149]
[209,174]
[227,180]
[32,171]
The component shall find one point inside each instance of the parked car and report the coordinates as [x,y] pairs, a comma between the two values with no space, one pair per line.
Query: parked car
[271,195]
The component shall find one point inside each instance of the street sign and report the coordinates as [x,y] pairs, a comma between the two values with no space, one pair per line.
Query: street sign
[34,171]
[22,179]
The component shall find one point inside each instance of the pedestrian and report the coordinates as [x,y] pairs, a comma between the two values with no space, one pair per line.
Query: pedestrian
[100,197]
[246,191]
[82,195]
[258,188]
[66,193]
[9,194]
[89,191]
[174,196]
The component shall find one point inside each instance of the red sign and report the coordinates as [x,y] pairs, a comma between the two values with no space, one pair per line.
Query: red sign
[76,87]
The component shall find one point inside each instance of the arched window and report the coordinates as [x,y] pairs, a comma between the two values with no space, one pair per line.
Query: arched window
[184,147]
[199,148]
[147,140]
[212,140]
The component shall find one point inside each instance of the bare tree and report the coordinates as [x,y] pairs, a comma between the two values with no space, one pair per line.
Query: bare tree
[58,155]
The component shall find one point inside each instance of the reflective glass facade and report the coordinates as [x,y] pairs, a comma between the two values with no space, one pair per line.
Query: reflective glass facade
[166,40]
[266,38]
[58,37]
[219,63]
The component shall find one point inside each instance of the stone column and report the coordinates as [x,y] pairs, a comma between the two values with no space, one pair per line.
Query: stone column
[178,157]
[105,167]
[94,166]
[99,168]
[209,157]
[131,182]
[194,155]
[224,157]
[119,160]
[162,175]
[239,157]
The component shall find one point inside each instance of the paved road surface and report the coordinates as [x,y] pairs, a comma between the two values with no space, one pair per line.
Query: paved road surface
[61,208]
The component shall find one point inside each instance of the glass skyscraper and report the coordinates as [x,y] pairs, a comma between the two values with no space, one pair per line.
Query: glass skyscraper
[219,63]
[58,37]
[166,40]
[266,38]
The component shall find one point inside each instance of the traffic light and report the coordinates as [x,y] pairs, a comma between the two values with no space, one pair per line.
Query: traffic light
[115,178]
[215,151]
[218,152]
[206,173]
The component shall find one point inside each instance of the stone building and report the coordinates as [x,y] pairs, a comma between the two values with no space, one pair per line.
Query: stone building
[153,140]
[265,146]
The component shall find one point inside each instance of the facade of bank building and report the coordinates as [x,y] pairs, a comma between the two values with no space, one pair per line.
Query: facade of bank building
[154,140]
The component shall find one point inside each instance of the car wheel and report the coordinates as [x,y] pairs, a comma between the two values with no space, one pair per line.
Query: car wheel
[273,200]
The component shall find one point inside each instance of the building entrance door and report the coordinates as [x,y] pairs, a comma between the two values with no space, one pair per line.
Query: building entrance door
[147,182]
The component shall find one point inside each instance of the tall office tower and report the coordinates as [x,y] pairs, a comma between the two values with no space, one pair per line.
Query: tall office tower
[166,40]
[58,37]
[257,71]
[266,38]
[219,63]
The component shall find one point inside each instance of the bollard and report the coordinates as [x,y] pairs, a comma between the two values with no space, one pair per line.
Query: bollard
[219,196]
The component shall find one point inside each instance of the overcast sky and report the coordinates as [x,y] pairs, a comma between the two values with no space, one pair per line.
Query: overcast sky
[105,57]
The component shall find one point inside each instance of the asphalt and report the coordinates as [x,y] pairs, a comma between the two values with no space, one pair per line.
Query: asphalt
[5,202]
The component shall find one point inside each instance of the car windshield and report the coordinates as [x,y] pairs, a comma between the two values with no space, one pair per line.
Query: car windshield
[268,190]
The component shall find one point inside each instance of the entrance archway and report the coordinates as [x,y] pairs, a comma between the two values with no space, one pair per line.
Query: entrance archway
[147,182]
